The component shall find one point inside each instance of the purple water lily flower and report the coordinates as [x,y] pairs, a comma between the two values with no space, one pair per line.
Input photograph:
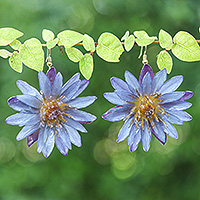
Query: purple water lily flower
[148,107]
[51,116]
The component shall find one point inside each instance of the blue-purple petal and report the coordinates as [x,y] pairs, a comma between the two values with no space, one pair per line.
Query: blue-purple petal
[31,139]
[171,85]
[49,144]
[132,82]
[178,105]
[74,136]
[26,131]
[146,69]
[170,97]
[51,74]
[82,87]
[42,137]
[170,130]
[146,84]
[146,138]
[45,84]
[61,146]
[158,132]
[81,102]
[80,116]
[113,98]
[57,86]
[158,80]
[30,100]
[22,119]
[125,96]
[17,105]
[70,91]
[186,96]
[125,130]
[28,89]
[117,113]
[72,80]
[136,140]
[74,124]
[119,84]
[64,137]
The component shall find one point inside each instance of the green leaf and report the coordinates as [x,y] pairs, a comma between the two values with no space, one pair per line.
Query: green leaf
[32,54]
[69,38]
[88,43]
[165,40]
[15,44]
[129,42]
[125,36]
[47,35]
[52,43]
[7,35]
[4,53]
[86,65]
[143,38]
[15,61]
[109,47]
[74,54]
[185,47]
[164,60]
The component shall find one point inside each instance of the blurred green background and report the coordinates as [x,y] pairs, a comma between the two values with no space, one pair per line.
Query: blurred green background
[101,169]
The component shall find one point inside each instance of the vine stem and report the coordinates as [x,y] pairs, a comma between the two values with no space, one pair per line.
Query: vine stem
[96,43]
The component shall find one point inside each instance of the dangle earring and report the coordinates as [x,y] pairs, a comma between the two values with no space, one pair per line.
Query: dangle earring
[148,106]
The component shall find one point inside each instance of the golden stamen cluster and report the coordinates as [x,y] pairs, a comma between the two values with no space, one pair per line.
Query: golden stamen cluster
[146,108]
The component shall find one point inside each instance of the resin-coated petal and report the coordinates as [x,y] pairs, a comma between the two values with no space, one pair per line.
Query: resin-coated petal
[74,124]
[45,84]
[170,130]
[61,145]
[28,89]
[132,82]
[43,133]
[72,80]
[117,113]
[81,116]
[136,141]
[125,96]
[22,119]
[48,147]
[158,80]
[171,85]
[119,84]
[74,136]
[146,69]
[70,91]
[17,105]
[51,74]
[57,86]
[125,130]
[31,139]
[26,131]
[81,102]
[146,138]
[159,133]
[178,105]
[83,85]
[30,100]
[146,84]
[113,98]
[170,97]
[64,137]
[186,96]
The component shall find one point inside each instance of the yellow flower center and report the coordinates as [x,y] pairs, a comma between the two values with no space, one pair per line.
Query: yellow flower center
[52,112]
[147,108]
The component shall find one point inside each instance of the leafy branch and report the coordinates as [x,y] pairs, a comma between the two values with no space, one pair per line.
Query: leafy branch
[108,47]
